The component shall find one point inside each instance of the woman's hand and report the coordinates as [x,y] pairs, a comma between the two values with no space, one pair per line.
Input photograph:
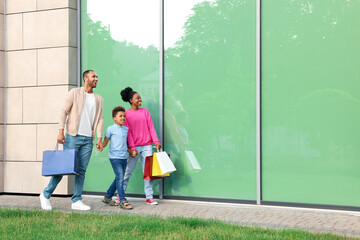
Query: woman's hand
[158,146]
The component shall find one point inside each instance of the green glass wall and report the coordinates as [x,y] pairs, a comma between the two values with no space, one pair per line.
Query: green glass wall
[311,101]
[210,98]
[120,41]
[310,98]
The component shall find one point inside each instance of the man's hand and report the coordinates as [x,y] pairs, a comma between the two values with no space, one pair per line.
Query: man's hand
[61,137]
[99,145]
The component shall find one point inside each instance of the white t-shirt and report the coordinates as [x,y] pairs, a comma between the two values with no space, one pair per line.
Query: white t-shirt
[87,117]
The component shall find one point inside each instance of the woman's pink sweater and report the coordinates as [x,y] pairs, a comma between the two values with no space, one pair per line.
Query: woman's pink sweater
[141,128]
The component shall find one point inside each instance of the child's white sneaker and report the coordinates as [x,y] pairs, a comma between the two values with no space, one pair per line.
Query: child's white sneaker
[79,205]
[45,203]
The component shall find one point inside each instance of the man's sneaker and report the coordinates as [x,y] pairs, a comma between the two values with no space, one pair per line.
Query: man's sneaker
[79,205]
[151,201]
[45,203]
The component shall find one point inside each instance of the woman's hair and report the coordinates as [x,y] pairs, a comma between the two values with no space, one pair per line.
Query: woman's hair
[127,94]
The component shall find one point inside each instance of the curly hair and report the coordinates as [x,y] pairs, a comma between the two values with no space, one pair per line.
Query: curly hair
[117,109]
[127,94]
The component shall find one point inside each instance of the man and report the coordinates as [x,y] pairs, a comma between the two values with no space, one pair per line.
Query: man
[83,112]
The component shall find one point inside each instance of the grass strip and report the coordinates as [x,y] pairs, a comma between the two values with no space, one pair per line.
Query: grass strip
[36,224]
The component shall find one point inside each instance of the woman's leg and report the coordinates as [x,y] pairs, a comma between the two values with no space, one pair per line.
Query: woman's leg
[131,163]
[148,185]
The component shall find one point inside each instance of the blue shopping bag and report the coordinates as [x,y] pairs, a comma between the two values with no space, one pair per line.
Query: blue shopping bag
[60,162]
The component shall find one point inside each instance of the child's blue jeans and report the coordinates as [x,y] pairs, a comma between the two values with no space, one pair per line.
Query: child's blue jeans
[119,167]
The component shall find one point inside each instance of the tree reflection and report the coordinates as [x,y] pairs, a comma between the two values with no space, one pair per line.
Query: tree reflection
[119,64]
[310,99]
[214,61]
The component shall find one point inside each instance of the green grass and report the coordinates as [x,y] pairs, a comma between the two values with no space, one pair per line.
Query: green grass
[35,224]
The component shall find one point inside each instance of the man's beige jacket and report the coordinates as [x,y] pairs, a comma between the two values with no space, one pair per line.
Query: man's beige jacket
[72,109]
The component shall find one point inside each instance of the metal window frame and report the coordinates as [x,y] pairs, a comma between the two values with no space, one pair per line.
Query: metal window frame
[258,103]
[161,89]
[78,41]
[258,98]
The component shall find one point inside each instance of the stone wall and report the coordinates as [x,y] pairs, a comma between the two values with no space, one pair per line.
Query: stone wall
[41,67]
[2,84]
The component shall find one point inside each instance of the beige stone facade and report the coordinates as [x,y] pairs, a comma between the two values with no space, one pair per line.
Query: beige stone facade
[38,52]
[2,85]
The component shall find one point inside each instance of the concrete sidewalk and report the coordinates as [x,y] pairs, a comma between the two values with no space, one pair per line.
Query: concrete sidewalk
[314,220]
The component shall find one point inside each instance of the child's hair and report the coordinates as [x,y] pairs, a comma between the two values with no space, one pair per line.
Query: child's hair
[127,94]
[117,109]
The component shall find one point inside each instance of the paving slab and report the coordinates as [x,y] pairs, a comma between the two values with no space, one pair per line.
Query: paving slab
[345,223]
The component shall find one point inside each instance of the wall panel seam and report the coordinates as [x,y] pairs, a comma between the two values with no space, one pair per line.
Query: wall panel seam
[32,124]
[22,31]
[38,86]
[78,41]
[36,143]
[42,10]
[22,105]
[40,48]
[37,68]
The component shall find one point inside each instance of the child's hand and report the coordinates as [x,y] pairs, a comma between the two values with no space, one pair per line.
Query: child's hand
[104,143]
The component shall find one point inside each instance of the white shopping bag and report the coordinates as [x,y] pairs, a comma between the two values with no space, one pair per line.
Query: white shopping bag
[165,163]
[191,161]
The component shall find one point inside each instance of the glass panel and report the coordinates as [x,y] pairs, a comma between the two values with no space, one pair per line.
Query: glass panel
[120,41]
[210,98]
[311,101]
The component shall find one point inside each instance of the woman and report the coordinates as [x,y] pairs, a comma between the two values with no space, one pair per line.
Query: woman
[142,134]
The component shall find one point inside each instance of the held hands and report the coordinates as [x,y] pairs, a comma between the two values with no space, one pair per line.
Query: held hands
[133,153]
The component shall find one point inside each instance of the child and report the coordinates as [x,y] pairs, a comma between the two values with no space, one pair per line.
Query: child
[141,136]
[118,155]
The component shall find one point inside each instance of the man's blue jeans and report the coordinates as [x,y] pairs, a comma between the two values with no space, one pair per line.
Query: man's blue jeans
[144,151]
[119,167]
[84,145]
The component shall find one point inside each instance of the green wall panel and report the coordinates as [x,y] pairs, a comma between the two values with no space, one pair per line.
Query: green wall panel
[311,101]
[210,97]
[121,43]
